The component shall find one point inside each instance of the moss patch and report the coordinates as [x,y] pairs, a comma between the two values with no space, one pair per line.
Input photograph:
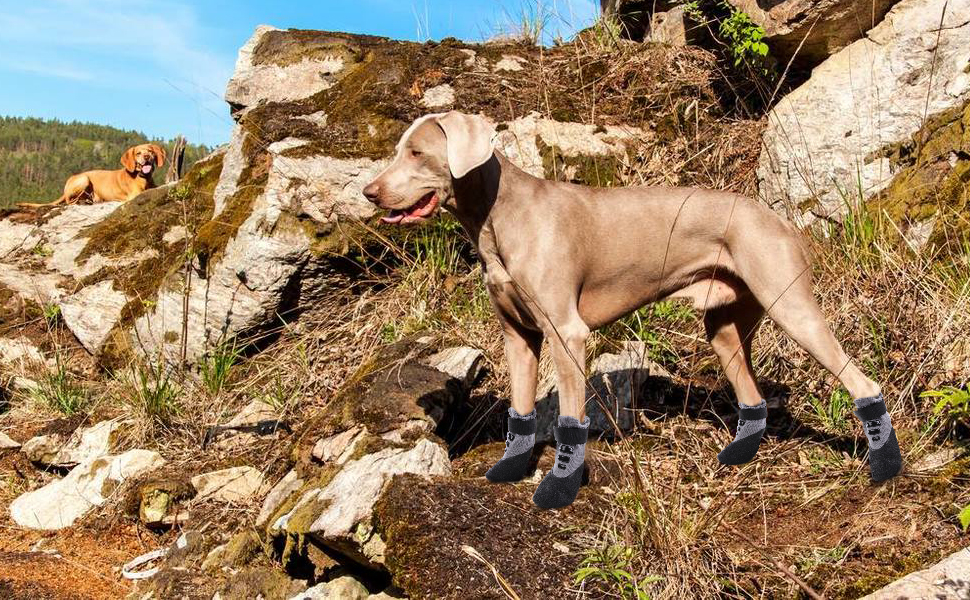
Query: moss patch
[934,177]
[283,48]
[213,237]
[263,581]
[594,170]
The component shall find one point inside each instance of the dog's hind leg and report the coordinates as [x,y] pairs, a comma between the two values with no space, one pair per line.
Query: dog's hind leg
[730,329]
[790,303]
[77,189]
[783,285]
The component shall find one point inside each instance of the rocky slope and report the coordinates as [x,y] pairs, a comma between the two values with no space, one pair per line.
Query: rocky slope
[364,488]
[259,229]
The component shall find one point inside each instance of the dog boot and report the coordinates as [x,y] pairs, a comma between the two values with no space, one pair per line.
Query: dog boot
[518,448]
[751,426]
[885,461]
[560,487]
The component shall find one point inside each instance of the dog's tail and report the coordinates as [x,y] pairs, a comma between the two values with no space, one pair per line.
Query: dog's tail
[60,200]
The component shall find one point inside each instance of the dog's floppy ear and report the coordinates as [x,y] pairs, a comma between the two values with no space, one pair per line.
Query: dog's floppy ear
[128,160]
[470,141]
[159,154]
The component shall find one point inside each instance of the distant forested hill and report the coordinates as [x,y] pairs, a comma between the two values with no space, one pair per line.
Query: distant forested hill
[38,155]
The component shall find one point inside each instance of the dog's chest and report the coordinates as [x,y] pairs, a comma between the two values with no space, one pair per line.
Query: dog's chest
[506,296]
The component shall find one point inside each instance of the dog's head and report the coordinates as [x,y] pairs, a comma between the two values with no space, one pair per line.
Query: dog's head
[143,159]
[436,150]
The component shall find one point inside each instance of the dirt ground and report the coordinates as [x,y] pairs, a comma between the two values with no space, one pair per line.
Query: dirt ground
[68,565]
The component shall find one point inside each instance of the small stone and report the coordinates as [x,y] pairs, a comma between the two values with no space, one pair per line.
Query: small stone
[936,460]
[342,588]
[62,502]
[388,594]
[43,449]
[338,447]
[236,484]
[175,234]
[510,62]
[157,498]
[20,352]
[463,363]
[6,443]
[439,96]
[253,413]
[213,560]
[84,444]
[92,313]
[154,506]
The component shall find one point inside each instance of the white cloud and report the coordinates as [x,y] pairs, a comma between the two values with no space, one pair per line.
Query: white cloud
[153,40]
[61,71]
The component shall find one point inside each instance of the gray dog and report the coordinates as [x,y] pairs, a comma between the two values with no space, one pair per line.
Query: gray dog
[561,260]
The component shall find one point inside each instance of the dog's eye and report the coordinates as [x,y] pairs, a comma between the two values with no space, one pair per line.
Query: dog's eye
[417,153]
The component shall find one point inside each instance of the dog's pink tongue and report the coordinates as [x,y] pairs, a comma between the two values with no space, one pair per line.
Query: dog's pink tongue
[146,169]
[394,216]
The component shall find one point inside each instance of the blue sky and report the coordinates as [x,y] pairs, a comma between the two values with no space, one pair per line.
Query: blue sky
[161,67]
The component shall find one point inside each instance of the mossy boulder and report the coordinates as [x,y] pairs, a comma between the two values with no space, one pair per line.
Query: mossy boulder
[829,143]
[380,425]
[930,194]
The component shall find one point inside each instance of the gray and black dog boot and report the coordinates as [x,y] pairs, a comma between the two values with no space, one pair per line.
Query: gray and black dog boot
[560,487]
[751,427]
[885,460]
[518,448]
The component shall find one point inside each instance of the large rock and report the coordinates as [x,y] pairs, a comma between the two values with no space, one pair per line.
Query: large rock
[62,502]
[806,32]
[38,259]
[83,445]
[831,140]
[947,580]
[379,426]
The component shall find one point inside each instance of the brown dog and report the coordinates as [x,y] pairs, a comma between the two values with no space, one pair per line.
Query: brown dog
[139,164]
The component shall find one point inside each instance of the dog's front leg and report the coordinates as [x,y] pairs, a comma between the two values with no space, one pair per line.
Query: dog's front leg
[522,347]
[568,345]
[560,487]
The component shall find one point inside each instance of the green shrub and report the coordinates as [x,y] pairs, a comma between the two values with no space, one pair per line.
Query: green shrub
[217,365]
[612,566]
[952,402]
[832,413]
[58,390]
[153,392]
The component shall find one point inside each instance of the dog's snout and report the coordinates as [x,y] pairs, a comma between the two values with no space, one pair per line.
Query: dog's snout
[373,192]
